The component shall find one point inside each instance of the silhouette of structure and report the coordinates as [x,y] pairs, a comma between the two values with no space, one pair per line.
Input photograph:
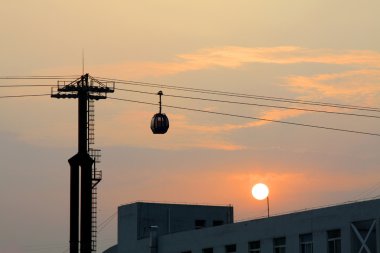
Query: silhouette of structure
[160,122]
[84,176]
[173,228]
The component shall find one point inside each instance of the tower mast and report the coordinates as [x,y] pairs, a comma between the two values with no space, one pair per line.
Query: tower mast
[83,188]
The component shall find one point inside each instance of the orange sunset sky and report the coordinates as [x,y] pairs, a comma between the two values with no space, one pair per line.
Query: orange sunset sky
[315,50]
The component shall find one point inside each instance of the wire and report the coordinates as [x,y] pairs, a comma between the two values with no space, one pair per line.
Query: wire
[253,104]
[23,96]
[66,250]
[372,189]
[34,77]
[26,85]
[101,226]
[214,92]
[234,115]
[106,222]
[254,118]
[241,95]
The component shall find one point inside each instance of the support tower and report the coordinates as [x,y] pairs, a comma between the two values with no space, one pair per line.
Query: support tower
[84,175]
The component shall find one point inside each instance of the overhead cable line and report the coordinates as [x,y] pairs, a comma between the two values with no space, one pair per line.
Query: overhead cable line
[250,117]
[101,226]
[366,194]
[35,77]
[66,250]
[25,85]
[25,95]
[106,222]
[242,95]
[253,104]
[196,90]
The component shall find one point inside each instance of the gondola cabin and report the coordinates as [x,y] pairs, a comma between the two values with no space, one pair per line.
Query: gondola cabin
[159,123]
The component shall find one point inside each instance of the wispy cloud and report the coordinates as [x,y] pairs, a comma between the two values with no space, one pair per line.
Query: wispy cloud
[361,86]
[267,116]
[120,130]
[357,86]
[234,57]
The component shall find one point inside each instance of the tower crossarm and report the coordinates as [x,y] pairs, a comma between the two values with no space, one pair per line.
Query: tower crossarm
[94,88]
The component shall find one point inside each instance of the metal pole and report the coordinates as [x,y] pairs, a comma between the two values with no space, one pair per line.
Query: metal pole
[82,115]
[160,94]
[86,165]
[74,204]
[86,205]
[268,205]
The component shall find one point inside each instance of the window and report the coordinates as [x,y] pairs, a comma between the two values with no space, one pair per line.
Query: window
[230,248]
[254,247]
[279,245]
[200,224]
[208,250]
[306,243]
[334,241]
[363,236]
[217,223]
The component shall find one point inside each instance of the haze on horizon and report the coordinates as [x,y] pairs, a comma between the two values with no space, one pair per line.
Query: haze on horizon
[315,50]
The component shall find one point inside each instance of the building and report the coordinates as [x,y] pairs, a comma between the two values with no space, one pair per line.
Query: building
[173,228]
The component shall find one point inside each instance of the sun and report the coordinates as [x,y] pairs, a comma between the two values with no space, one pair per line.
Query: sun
[260,191]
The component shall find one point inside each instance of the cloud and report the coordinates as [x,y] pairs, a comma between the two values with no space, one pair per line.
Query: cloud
[361,86]
[232,57]
[276,115]
[358,86]
[132,128]
[267,116]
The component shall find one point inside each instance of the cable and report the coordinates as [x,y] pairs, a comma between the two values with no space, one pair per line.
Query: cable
[35,77]
[23,96]
[107,221]
[254,118]
[253,104]
[66,250]
[101,226]
[214,92]
[367,192]
[26,85]
[241,95]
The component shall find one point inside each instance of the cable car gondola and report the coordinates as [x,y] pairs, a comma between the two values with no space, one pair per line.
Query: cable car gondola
[160,122]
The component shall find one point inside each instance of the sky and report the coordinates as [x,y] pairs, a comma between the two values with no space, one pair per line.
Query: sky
[316,50]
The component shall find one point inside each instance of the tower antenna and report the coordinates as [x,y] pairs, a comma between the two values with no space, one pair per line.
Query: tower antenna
[82,61]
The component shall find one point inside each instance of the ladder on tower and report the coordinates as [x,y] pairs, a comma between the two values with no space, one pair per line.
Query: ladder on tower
[96,178]
[91,123]
[96,174]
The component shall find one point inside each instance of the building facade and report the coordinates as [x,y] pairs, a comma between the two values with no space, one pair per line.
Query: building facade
[172,228]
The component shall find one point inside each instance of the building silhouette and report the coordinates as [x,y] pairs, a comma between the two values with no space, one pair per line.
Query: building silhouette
[174,228]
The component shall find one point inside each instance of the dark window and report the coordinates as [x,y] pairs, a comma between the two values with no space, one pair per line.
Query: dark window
[231,248]
[334,241]
[200,224]
[279,245]
[217,223]
[363,236]
[208,250]
[254,247]
[306,243]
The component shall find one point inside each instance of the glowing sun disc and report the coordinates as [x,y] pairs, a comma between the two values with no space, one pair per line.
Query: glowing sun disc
[260,191]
